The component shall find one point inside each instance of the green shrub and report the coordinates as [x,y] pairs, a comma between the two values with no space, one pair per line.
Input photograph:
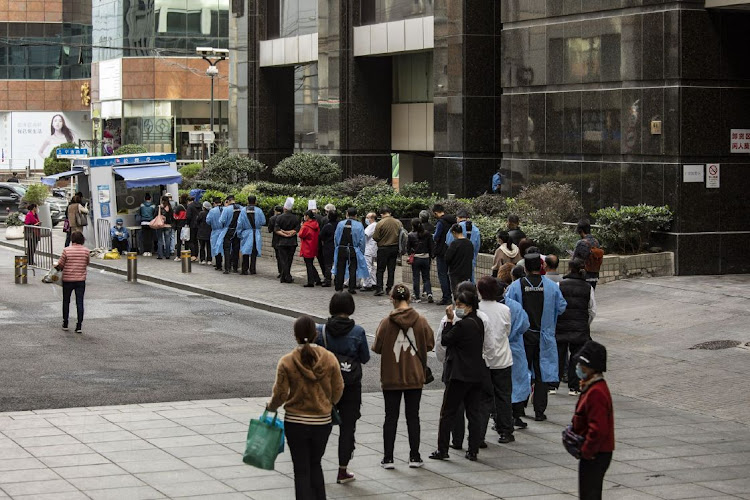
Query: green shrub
[14,219]
[402,207]
[370,192]
[490,204]
[628,228]
[211,185]
[553,203]
[241,194]
[555,239]
[353,185]
[130,149]
[488,228]
[416,189]
[190,170]
[454,205]
[232,170]
[308,169]
[210,194]
[36,194]
[54,166]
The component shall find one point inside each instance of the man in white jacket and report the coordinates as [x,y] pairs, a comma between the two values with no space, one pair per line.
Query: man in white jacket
[371,253]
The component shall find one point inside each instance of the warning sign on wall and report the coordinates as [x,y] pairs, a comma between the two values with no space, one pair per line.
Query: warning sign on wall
[740,140]
[712,175]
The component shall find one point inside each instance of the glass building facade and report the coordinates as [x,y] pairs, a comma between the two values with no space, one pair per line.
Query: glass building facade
[45,51]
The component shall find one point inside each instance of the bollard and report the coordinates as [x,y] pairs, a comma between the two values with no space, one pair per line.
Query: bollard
[186,263]
[21,270]
[132,266]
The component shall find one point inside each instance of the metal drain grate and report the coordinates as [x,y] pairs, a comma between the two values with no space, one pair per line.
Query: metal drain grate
[715,345]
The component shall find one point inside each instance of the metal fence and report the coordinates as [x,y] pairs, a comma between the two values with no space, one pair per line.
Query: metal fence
[102,234]
[37,245]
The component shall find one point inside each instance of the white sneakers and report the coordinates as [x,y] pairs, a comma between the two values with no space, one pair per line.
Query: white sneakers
[177,259]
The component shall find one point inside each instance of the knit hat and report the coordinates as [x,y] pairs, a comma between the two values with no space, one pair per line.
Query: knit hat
[207,205]
[289,203]
[533,261]
[312,205]
[593,355]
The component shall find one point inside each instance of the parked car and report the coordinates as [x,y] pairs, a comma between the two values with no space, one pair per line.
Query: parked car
[57,208]
[11,199]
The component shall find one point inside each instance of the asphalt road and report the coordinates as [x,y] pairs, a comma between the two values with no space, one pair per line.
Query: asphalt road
[140,343]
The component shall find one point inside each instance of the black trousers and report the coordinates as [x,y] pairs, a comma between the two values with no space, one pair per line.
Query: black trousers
[392,399]
[68,288]
[565,352]
[307,444]
[219,261]
[249,261]
[178,243]
[231,251]
[540,388]
[519,409]
[205,250]
[349,408]
[193,243]
[387,257]
[592,279]
[147,238]
[278,261]
[421,268]
[591,476]
[502,387]
[445,282]
[470,394]
[347,257]
[121,246]
[286,254]
[312,273]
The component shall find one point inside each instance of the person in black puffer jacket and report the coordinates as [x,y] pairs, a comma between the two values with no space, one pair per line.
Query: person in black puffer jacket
[422,247]
[203,234]
[344,338]
[573,325]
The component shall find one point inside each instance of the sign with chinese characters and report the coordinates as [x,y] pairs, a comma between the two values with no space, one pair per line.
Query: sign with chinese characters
[740,140]
[72,153]
[712,175]
[34,135]
[693,173]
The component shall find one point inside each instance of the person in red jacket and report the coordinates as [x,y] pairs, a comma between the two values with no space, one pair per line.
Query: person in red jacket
[308,236]
[594,420]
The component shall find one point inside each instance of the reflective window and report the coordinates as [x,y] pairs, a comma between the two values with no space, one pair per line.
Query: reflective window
[306,107]
[291,17]
[383,11]
[412,78]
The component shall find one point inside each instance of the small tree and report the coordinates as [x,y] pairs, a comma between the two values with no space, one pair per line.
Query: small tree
[231,169]
[53,165]
[36,194]
[130,149]
[552,203]
[308,169]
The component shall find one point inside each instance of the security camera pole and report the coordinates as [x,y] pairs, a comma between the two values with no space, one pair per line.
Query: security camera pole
[212,56]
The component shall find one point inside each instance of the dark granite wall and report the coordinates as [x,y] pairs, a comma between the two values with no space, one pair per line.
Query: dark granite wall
[580,93]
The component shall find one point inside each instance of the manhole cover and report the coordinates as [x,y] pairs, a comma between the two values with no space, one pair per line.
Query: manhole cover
[715,345]
[217,313]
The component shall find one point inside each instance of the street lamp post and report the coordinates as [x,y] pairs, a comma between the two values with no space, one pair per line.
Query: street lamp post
[212,56]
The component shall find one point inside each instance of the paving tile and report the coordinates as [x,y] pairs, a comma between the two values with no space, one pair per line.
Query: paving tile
[129,445]
[106,482]
[74,460]
[58,495]
[180,441]
[163,432]
[679,491]
[13,453]
[228,459]
[518,489]
[204,488]
[219,496]
[239,471]
[21,463]
[89,471]
[198,451]
[58,439]
[137,493]
[57,450]
[173,477]
[137,455]
[19,476]
[731,486]
[169,464]
[463,492]
[288,494]
[105,437]
[38,487]
[33,432]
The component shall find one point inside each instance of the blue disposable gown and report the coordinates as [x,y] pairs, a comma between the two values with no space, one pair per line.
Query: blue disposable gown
[476,241]
[246,232]
[554,306]
[224,221]
[214,220]
[358,241]
[519,323]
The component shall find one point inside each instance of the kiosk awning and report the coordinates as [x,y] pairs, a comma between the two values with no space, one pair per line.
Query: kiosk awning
[148,175]
[50,180]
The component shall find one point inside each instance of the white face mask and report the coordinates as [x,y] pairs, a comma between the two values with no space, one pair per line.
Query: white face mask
[460,312]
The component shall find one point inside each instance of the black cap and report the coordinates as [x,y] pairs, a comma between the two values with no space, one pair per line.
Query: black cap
[593,355]
[533,261]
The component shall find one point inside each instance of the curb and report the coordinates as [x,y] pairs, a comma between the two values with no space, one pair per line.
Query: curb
[226,297]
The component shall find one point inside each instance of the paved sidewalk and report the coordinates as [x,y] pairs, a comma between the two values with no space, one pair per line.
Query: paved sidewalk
[192,449]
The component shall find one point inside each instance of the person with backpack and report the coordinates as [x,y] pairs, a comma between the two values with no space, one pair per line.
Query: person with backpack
[204,235]
[403,340]
[421,249]
[442,228]
[327,244]
[589,251]
[230,239]
[349,255]
[217,238]
[459,257]
[146,213]
[193,209]
[388,237]
[248,227]
[180,221]
[348,342]
[471,233]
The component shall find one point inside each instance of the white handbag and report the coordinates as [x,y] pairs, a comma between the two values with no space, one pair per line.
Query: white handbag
[53,276]
[185,233]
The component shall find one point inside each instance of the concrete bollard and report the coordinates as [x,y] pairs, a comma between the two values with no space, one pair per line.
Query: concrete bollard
[186,263]
[132,266]
[21,270]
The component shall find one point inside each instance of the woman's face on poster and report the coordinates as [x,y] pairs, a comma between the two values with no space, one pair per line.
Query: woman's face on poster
[57,122]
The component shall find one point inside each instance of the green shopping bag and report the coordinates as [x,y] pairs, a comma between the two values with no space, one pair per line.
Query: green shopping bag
[263,440]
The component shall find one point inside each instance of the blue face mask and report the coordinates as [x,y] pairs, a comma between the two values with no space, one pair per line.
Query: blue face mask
[460,312]
[579,372]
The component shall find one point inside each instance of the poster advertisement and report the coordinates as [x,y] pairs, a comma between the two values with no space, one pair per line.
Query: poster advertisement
[32,135]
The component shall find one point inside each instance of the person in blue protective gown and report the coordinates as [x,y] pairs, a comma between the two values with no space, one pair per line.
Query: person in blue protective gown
[217,238]
[249,225]
[543,302]
[349,255]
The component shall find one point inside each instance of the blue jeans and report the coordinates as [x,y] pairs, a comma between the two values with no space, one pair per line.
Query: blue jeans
[445,283]
[421,267]
[164,241]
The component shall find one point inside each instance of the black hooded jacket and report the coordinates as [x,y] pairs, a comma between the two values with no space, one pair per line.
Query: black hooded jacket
[442,227]
[343,336]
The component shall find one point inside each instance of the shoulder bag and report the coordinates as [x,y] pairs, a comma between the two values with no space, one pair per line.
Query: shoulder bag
[81,218]
[428,377]
[158,221]
[351,368]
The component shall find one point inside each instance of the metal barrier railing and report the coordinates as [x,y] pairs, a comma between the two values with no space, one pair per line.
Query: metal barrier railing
[103,239]
[37,245]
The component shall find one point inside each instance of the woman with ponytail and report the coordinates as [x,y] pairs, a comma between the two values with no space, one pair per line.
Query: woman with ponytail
[402,339]
[308,384]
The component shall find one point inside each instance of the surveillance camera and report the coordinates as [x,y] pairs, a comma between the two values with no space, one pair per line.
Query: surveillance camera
[204,51]
[221,52]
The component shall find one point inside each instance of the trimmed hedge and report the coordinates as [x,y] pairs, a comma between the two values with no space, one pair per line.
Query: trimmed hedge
[308,169]
[628,229]
[130,149]
[54,166]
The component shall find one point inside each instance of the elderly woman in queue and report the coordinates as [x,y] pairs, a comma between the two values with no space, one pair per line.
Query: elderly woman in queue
[308,384]
[594,420]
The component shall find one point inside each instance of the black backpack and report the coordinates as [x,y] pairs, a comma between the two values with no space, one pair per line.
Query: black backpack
[351,369]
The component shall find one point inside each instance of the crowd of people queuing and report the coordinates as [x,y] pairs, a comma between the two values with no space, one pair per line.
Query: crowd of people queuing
[506,341]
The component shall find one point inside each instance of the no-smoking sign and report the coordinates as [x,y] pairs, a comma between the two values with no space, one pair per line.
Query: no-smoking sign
[712,177]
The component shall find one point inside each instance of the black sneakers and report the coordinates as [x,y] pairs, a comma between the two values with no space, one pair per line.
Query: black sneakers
[517,422]
[505,438]
[540,417]
[439,455]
